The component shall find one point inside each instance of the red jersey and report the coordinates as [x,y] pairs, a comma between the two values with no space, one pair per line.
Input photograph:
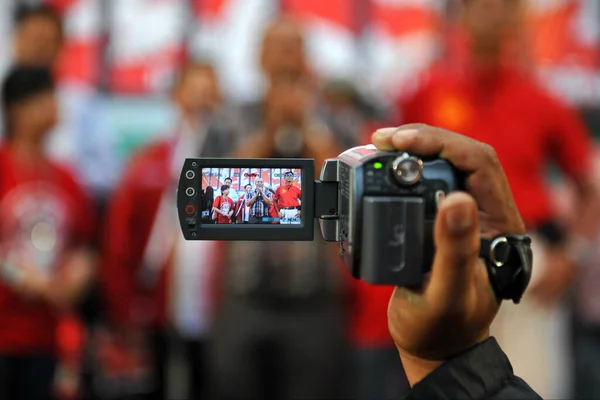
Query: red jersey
[526,126]
[44,214]
[287,196]
[225,204]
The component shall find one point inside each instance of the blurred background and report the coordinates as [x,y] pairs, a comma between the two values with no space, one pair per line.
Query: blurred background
[139,81]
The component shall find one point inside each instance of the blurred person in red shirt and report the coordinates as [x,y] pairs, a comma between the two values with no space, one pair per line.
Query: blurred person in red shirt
[280,321]
[153,280]
[46,230]
[82,137]
[493,99]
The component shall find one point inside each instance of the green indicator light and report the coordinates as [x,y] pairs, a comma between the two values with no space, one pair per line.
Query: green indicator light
[377,165]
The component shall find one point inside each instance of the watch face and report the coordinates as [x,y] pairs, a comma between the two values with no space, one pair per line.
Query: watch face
[509,263]
[500,252]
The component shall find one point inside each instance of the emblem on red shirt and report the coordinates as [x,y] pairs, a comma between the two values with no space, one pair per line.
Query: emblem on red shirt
[35,223]
[452,112]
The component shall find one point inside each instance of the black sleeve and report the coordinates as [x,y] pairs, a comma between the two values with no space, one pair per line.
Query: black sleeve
[482,372]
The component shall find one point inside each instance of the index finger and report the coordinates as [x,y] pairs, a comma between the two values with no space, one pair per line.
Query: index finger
[486,180]
[466,154]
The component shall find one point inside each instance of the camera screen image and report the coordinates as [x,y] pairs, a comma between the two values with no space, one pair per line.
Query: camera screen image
[252,196]
[379,206]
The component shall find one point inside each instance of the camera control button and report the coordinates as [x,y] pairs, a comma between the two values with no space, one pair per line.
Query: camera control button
[393,239]
[190,209]
[439,196]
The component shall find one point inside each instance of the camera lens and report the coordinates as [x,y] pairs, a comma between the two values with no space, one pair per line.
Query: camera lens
[407,170]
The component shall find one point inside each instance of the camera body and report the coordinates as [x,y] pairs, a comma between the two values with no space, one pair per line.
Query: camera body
[387,204]
[380,207]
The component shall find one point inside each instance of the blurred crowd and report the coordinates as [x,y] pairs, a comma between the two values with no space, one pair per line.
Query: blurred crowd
[102,298]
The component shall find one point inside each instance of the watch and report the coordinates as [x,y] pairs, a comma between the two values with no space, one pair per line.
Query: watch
[509,261]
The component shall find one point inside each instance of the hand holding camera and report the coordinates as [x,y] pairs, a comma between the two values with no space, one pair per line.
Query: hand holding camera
[458,292]
[426,210]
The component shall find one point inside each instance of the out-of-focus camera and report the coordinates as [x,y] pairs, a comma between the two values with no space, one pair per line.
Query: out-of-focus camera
[380,206]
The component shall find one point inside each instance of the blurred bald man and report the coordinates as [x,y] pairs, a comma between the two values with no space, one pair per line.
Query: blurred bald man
[280,326]
[490,97]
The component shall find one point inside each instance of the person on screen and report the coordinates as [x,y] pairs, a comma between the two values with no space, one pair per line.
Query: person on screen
[223,206]
[242,209]
[208,198]
[260,202]
[233,194]
[287,200]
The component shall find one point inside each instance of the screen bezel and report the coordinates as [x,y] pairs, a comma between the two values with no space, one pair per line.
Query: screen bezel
[300,232]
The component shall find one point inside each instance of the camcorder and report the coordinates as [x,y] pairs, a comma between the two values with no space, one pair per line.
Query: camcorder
[380,206]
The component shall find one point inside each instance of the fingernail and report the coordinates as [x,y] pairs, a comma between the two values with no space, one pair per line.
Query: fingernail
[385,132]
[459,219]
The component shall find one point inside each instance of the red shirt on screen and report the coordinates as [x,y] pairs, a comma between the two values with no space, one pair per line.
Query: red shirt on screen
[43,215]
[287,196]
[225,204]
[527,127]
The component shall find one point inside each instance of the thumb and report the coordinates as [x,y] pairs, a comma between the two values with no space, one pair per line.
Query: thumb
[456,235]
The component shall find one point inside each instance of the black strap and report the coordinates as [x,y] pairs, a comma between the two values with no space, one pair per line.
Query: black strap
[508,259]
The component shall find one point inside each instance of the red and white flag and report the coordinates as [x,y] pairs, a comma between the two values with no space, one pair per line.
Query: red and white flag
[331,31]
[80,59]
[565,35]
[403,42]
[147,44]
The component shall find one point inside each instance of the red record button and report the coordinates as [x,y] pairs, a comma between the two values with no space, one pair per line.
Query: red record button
[439,196]
[190,209]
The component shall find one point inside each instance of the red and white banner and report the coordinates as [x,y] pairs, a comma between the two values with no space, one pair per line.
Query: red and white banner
[147,44]
[331,32]
[240,177]
[565,35]
[228,33]
[403,42]
[80,59]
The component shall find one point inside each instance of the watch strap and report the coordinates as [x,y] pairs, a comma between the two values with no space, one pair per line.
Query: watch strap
[509,260]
